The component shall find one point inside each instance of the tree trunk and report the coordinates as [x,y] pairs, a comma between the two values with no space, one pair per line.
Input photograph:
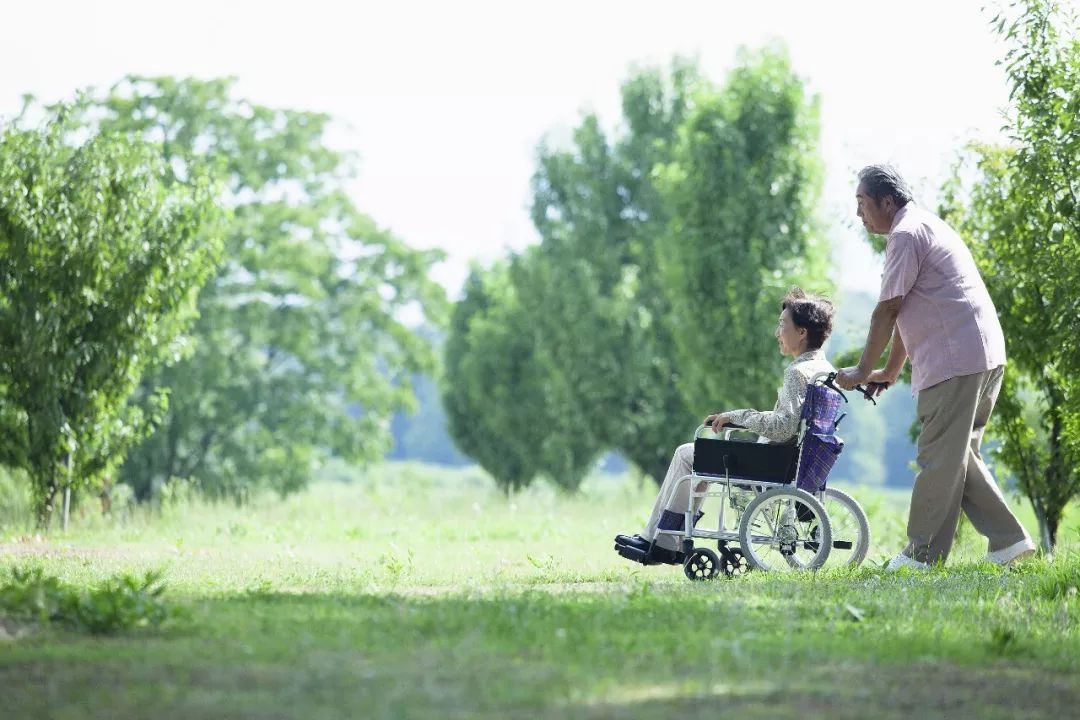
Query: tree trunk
[67,492]
[44,508]
[1047,536]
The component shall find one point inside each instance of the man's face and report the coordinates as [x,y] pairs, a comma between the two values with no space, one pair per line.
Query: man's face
[876,216]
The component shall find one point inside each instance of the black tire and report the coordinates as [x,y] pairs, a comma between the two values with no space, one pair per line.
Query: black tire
[702,564]
[733,562]
[850,529]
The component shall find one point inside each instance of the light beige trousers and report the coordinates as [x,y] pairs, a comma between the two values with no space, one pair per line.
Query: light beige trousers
[673,495]
[952,475]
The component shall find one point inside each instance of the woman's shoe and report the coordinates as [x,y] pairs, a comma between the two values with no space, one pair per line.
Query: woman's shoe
[637,543]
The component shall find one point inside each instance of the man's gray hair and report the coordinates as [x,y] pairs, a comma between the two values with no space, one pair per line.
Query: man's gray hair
[882,181]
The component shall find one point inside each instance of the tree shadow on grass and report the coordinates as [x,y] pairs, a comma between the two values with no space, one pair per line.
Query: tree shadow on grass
[525,654]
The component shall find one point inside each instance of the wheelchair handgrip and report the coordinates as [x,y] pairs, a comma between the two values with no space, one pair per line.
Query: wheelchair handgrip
[867,390]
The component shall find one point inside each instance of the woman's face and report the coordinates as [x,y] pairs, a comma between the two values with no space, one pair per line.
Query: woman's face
[791,337]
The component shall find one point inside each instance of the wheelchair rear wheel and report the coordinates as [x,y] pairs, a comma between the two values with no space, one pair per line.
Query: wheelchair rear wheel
[850,529]
[702,564]
[785,529]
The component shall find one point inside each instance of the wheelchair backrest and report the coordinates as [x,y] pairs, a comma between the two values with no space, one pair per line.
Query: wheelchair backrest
[821,409]
[820,445]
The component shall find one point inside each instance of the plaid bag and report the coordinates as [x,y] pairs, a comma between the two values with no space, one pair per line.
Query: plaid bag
[820,444]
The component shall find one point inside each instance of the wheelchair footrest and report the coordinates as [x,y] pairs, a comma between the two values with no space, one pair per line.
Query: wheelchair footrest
[632,553]
[658,556]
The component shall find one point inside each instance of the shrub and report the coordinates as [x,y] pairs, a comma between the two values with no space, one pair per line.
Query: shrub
[124,602]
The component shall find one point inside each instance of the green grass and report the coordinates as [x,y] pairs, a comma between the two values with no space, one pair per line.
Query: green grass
[420,593]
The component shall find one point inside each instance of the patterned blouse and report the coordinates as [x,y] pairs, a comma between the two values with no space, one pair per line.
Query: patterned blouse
[782,422]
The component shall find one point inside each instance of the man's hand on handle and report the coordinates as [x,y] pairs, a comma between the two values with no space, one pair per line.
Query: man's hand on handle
[848,378]
[879,381]
[876,382]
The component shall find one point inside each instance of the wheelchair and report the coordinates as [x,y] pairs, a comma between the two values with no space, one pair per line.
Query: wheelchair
[776,512]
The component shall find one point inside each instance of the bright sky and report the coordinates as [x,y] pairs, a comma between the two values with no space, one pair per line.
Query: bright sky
[446,101]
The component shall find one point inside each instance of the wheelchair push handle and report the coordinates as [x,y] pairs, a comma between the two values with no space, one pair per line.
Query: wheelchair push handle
[866,390]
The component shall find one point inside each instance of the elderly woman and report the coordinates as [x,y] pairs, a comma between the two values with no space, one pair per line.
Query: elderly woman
[805,323]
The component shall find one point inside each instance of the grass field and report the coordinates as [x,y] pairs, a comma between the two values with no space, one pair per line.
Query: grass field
[413,592]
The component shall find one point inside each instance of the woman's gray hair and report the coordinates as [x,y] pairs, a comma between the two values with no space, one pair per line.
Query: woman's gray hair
[882,181]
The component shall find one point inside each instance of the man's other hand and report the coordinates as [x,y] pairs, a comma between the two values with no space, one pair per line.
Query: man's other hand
[878,382]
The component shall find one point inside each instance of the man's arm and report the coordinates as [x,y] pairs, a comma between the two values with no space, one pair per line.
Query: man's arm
[882,324]
[880,380]
[897,357]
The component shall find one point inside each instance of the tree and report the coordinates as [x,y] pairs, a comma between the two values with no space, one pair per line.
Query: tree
[491,392]
[585,375]
[1018,207]
[1039,396]
[605,315]
[302,348]
[606,370]
[741,192]
[101,258]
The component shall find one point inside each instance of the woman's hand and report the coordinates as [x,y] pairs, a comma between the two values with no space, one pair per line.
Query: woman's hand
[717,421]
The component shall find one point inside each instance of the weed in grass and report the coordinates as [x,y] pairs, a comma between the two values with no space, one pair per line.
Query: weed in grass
[640,591]
[395,566]
[355,533]
[1005,641]
[122,603]
[31,595]
[1059,581]
[547,565]
[259,588]
[854,613]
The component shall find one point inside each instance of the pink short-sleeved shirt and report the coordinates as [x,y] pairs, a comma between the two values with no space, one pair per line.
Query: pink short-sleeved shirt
[947,320]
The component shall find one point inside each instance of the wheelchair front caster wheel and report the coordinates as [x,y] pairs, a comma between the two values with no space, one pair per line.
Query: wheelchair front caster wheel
[732,562]
[703,564]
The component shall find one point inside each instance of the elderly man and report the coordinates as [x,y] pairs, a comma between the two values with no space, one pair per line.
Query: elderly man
[936,309]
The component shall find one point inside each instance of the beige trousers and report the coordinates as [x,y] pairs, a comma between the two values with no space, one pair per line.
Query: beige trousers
[952,475]
[673,495]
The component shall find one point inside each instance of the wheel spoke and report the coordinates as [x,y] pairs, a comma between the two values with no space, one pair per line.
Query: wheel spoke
[785,530]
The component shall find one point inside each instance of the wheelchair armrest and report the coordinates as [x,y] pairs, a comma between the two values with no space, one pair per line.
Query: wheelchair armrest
[725,431]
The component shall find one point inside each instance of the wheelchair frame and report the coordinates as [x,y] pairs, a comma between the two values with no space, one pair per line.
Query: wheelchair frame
[730,504]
